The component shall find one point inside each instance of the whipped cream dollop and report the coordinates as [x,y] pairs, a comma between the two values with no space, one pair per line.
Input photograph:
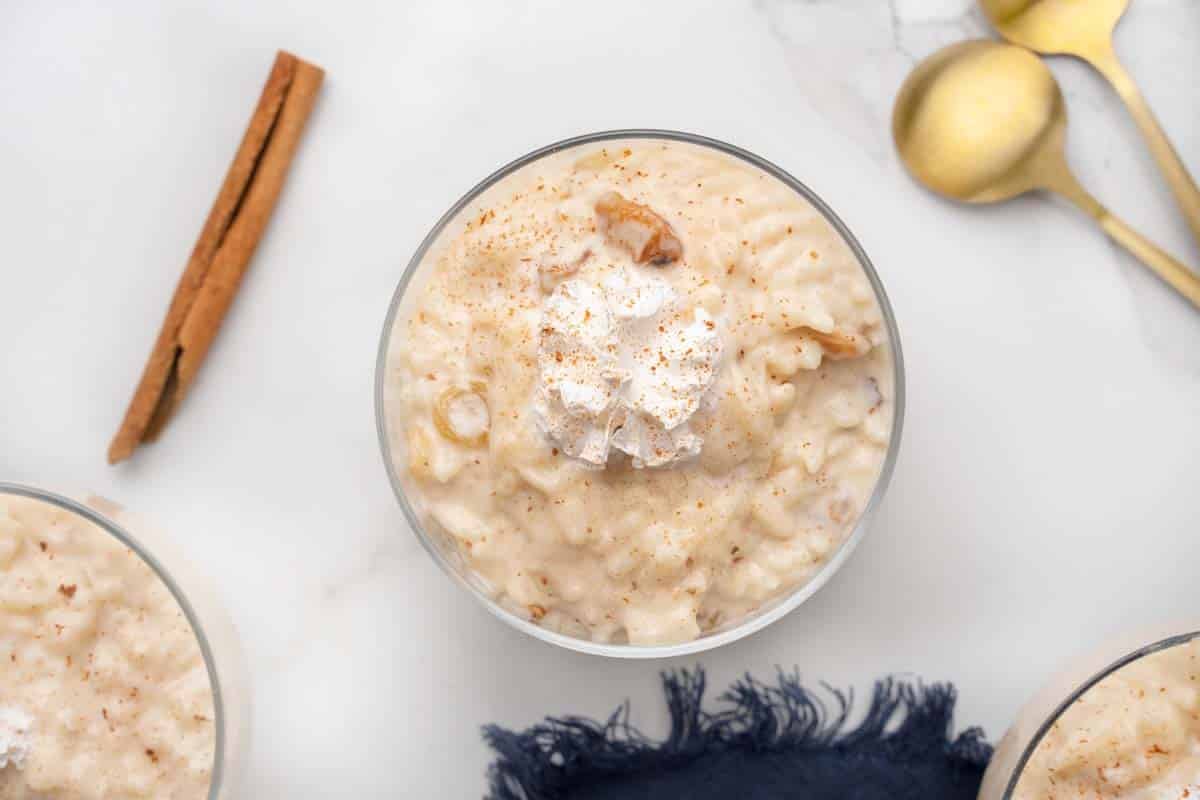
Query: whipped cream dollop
[621,365]
[16,736]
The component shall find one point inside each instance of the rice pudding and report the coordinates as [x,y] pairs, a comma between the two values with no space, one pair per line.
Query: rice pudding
[641,388]
[104,693]
[1135,735]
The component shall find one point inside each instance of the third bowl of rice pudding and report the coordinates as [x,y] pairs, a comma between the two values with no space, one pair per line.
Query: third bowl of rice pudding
[639,392]
[1123,723]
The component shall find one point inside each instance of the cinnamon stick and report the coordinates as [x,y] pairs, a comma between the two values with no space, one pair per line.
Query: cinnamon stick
[222,253]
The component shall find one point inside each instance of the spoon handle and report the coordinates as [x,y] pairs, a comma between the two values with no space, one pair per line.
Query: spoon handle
[1172,167]
[1173,273]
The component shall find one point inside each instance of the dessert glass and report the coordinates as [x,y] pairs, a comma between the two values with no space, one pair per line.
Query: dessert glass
[1045,708]
[444,552]
[211,624]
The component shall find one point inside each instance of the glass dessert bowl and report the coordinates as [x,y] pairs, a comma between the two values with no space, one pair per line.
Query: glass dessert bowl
[121,673]
[640,392]
[1123,722]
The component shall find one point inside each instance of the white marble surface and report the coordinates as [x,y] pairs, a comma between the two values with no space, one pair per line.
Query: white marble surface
[1045,494]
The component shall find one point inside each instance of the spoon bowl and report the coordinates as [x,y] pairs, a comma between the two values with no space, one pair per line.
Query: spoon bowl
[973,119]
[983,121]
[1068,27]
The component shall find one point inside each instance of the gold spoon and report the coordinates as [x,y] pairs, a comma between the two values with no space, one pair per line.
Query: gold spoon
[983,121]
[1084,29]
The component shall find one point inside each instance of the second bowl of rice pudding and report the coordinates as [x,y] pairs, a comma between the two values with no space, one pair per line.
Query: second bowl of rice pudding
[640,392]
[114,683]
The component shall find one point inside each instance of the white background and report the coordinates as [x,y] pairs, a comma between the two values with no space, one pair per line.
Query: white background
[1046,493]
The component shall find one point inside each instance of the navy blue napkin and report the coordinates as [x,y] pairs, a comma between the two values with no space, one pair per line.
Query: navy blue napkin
[766,742]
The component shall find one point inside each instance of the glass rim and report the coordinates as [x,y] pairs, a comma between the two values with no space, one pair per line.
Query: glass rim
[129,540]
[781,606]
[1124,660]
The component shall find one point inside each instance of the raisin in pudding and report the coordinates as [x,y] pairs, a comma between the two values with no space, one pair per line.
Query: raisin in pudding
[104,694]
[640,389]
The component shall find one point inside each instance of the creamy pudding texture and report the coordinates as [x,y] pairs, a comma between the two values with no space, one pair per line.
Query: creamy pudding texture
[1134,735]
[682,386]
[104,694]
